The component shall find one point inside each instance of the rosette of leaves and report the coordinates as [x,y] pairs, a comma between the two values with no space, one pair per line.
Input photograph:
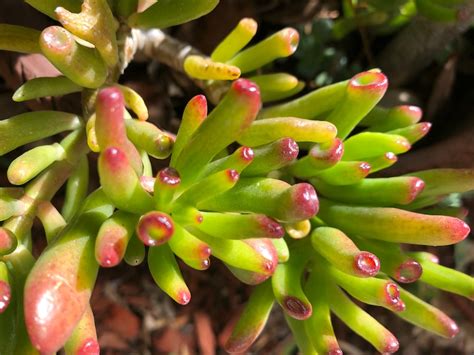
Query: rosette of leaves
[352,247]
[246,206]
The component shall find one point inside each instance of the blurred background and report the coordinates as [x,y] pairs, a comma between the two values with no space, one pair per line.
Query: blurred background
[428,55]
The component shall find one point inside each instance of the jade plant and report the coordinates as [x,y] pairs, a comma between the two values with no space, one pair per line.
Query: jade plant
[282,195]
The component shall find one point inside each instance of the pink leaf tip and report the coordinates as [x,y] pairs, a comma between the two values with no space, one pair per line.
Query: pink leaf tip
[247,154]
[367,264]
[392,297]
[272,228]
[408,271]
[155,228]
[89,347]
[5,296]
[369,81]
[288,149]
[391,344]
[296,308]
[169,176]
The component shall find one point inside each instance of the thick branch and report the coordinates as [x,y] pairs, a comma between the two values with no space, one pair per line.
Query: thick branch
[156,45]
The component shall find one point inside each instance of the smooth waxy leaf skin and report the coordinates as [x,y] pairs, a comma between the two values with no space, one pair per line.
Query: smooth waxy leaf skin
[446,181]
[274,198]
[255,255]
[253,319]
[426,316]
[339,250]
[167,275]
[31,163]
[310,105]
[377,192]
[81,64]
[300,130]
[319,325]
[166,13]
[279,45]
[59,286]
[48,86]
[84,338]
[242,103]
[95,24]
[394,225]
[121,183]
[361,322]
[235,40]
[382,119]
[194,114]
[372,144]
[205,69]
[287,284]
[110,125]
[48,6]
[363,92]
[34,126]
[19,39]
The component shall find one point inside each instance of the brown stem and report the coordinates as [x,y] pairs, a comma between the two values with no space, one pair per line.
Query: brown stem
[157,45]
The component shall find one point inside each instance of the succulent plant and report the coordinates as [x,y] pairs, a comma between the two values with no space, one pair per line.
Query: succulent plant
[281,195]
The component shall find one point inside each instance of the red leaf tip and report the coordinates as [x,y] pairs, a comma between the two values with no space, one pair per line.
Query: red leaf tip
[169,176]
[460,229]
[110,253]
[297,308]
[199,103]
[391,344]
[391,156]
[8,241]
[89,347]
[416,186]
[289,149]
[331,154]
[205,264]
[392,297]
[233,175]
[269,257]
[115,158]
[306,203]
[183,297]
[367,264]
[199,218]
[5,295]
[450,326]
[272,228]
[246,87]
[110,97]
[337,151]
[365,167]
[369,81]
[155,228]
[414,112]
[247,154]
[205,251]
[408,271]
[425,127]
